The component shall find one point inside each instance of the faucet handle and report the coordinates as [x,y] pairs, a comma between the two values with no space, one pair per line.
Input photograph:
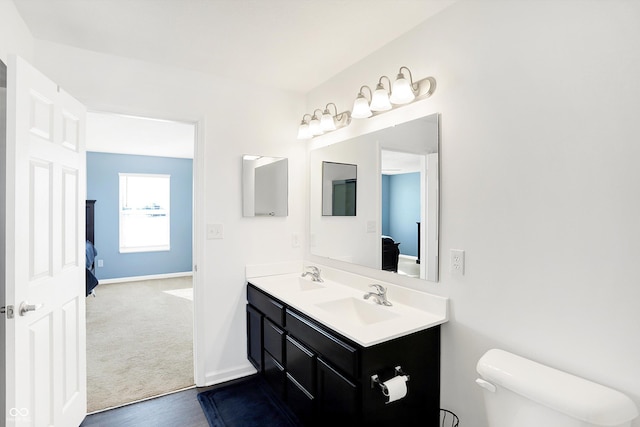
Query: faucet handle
[313,268]
[381,289]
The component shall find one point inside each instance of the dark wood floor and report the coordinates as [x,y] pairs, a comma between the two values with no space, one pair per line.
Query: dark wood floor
[180,409]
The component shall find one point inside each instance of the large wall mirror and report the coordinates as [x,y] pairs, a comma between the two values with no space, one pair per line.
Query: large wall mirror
[395,227]
[264,186]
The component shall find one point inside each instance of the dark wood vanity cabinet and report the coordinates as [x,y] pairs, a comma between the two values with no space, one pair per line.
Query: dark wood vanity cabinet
[326,378]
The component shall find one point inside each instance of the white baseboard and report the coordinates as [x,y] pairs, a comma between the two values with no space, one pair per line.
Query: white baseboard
[141,278]
[212,378]
[409,257]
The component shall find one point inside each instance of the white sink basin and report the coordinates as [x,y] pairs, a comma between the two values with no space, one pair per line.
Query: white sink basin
[357,311]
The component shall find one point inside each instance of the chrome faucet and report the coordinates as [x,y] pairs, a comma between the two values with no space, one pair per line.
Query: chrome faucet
[314,272]
[380,296]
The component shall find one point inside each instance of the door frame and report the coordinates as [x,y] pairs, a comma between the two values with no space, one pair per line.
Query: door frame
[198,225]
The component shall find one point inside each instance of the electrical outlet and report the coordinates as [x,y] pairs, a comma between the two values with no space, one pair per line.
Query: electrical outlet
[100,262]
[457,262]
[214,231]
[295,240]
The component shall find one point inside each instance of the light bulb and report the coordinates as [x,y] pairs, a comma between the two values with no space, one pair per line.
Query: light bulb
[314,126]
[327,123]
[402,92]
[380,99]
[303,131]
[361,108]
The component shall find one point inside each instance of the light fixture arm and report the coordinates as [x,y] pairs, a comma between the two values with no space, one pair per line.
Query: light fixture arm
[389,86]
[369,89]
[415,87]
[340,118]
[334,107]
[303,118]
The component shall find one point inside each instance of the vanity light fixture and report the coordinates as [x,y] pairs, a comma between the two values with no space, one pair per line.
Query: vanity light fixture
[401,92]
[328,122]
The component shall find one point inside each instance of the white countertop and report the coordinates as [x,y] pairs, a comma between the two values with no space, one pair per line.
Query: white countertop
[411,311]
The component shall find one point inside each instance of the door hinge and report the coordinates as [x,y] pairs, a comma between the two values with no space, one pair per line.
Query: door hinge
[8,310]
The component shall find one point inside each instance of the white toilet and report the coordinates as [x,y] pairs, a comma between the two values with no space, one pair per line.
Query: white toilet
[521,393]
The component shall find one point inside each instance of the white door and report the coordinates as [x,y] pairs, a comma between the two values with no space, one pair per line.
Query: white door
[45,283]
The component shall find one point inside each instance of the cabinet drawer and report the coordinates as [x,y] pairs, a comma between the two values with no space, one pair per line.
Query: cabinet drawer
[271,308]
[341,354]
[273,338]
[301,364]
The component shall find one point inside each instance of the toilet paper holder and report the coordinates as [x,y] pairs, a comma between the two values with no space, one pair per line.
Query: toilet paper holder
[375,379]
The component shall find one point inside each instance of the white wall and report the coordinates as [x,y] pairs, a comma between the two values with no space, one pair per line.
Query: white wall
[540,182]
[238,118]
[15,37]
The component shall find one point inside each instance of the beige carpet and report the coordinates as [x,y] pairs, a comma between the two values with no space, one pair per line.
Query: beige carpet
[139,341]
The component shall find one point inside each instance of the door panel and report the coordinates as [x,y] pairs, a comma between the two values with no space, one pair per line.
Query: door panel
[45,163]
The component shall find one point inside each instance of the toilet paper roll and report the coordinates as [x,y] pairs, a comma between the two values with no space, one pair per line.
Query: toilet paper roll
[395,388]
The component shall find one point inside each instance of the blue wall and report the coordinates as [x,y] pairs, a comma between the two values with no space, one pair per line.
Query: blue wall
[103,186]
[401,211]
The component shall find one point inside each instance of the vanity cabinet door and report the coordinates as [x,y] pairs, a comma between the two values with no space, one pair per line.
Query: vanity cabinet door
[301,402]
[254,337]
[301,364]
[336,396]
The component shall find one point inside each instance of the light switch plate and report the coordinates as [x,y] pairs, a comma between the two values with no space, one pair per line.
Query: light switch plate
[214,231]
[371,226]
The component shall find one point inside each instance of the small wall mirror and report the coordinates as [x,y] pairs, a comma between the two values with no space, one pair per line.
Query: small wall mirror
[395,227]
[264,186]
[339,185]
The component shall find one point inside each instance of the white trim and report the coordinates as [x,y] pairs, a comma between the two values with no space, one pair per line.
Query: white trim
[230,374]
[200,338]
[143,400]
[141,278]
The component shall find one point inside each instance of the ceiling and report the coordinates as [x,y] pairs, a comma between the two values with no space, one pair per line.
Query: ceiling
[288,44]
[115,133]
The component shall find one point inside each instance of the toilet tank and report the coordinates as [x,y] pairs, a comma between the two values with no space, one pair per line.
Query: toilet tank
[521,393]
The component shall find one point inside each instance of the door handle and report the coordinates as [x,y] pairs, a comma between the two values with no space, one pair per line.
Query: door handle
[25,307]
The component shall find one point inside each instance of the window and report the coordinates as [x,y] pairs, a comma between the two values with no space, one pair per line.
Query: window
[144,212]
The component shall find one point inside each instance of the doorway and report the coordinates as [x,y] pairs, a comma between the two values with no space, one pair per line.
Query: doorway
[140,321]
